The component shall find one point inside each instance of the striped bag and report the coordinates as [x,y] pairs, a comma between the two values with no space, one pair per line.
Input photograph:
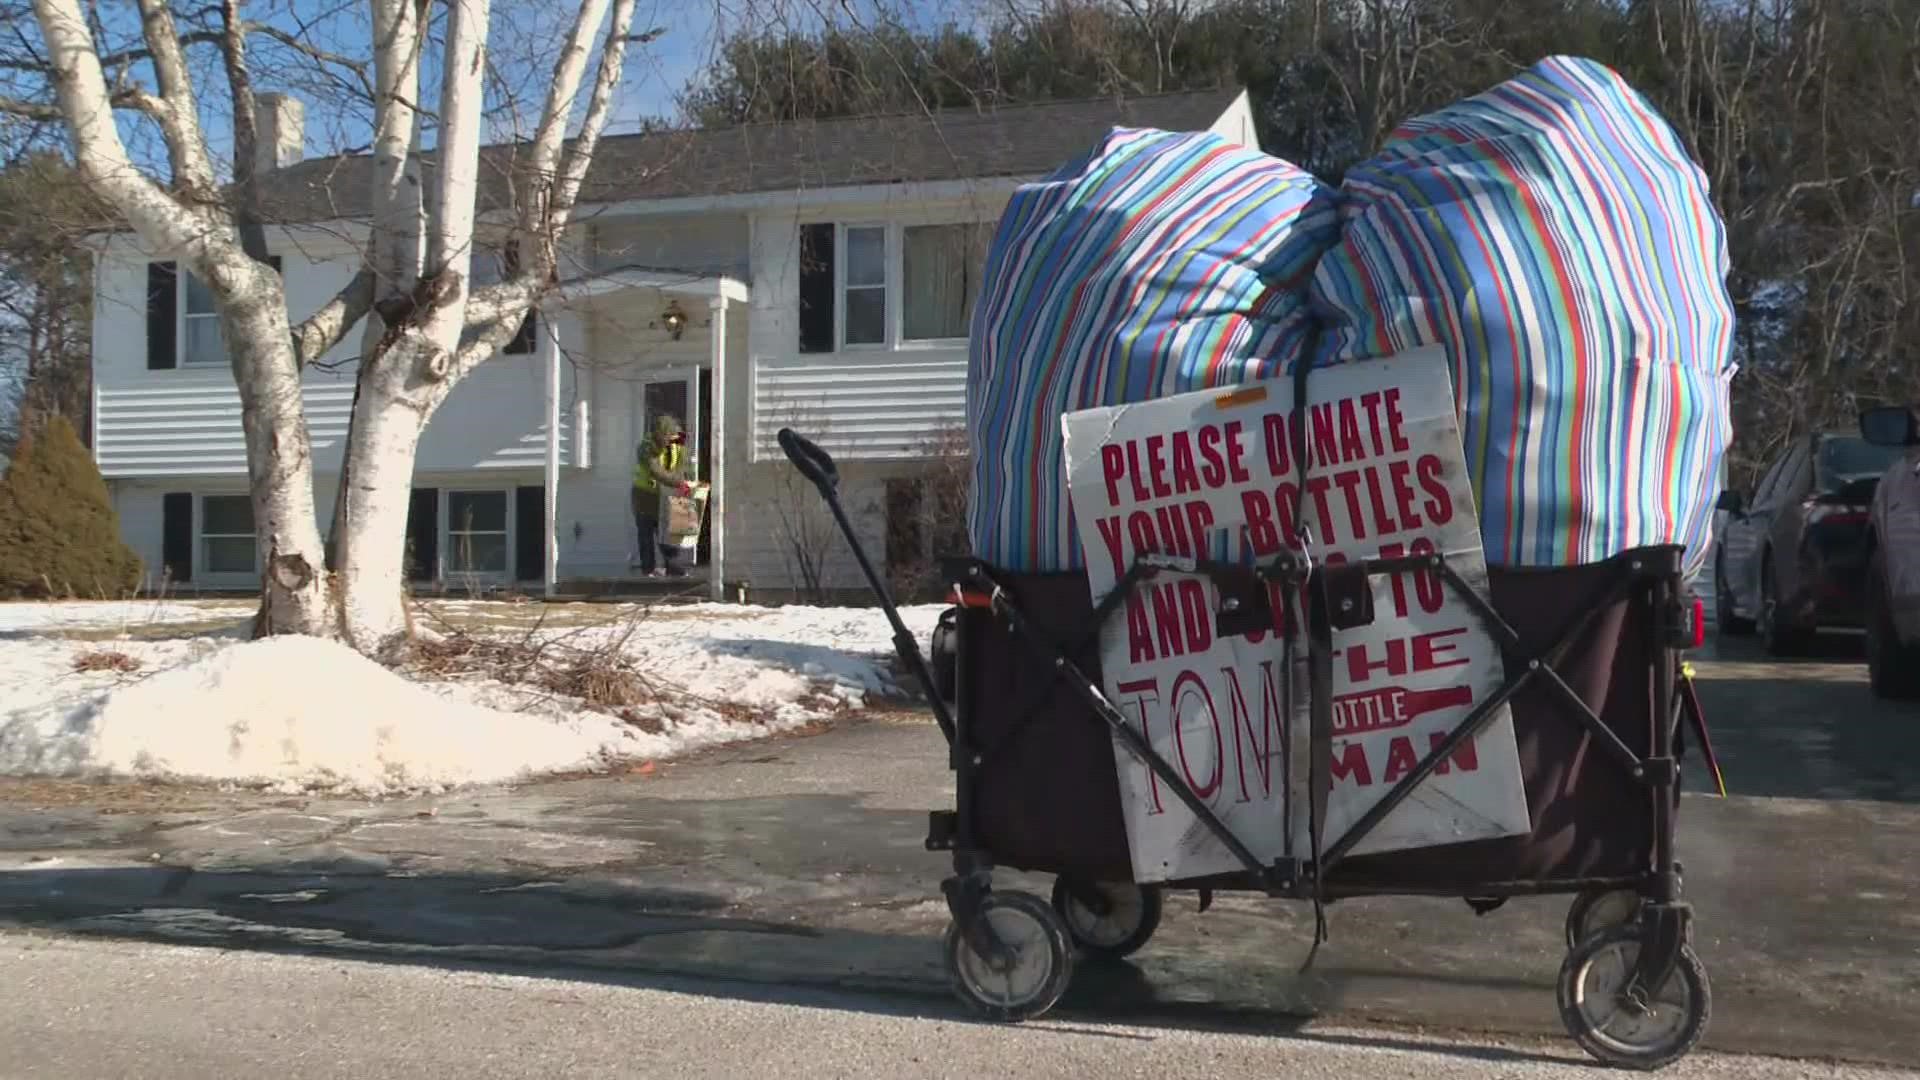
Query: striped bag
[1156,263]
[1555,236]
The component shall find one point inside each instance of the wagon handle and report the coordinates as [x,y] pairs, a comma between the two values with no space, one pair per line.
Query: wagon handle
[814,463]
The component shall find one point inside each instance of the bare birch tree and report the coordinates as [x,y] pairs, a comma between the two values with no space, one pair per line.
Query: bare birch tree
[423,325]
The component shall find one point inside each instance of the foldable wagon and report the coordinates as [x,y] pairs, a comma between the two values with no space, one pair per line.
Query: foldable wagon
[1597,691]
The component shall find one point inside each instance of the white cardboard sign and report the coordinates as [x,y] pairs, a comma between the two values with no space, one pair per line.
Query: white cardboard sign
[1386,476]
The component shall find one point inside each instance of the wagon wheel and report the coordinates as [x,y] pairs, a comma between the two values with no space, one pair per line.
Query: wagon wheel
[1125,916]
[1600,910]
[1617,1023]
[1036,971]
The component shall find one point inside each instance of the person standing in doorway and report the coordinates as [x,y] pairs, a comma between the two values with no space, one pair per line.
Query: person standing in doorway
[661,460]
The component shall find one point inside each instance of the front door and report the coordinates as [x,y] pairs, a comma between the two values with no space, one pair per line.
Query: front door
[687,397]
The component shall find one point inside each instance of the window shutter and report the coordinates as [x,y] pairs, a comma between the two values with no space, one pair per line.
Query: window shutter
[523,339]
[530,533]
[163,311]
[176,535]
[816,288]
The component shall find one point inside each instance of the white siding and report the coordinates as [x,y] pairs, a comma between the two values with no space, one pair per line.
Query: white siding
[888,408]
[872,404]
[186,421]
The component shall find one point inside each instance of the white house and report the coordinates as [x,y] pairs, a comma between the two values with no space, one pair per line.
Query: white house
[818,274]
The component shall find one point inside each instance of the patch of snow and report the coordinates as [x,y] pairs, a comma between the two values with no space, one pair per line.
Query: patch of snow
[121,615]
[302,713]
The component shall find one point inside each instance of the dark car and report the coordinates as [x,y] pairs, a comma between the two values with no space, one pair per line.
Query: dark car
[1893,564]
[1793,560]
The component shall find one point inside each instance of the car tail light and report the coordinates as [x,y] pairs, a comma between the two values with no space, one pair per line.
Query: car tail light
[1699,623]
[1818,512]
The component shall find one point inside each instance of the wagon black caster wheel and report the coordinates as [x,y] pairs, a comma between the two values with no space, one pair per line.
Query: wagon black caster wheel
[1118,921]
[1622,1027]
[1602,910]
[1034,974]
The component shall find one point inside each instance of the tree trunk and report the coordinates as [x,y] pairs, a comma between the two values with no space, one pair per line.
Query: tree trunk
[296,596]
[377,481]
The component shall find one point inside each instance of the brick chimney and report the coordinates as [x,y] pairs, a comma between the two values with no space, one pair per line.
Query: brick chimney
[280,135]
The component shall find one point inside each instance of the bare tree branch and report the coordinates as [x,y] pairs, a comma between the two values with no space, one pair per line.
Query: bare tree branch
[185,147]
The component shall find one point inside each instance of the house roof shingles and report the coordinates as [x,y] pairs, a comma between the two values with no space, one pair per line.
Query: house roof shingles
[950,144]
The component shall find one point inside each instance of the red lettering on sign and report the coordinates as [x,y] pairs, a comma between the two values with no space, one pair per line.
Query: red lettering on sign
[1403,492]
[1351,449]
[1191,681]
[1195,616]
[1243,733]
[1429,651]
[1173,530]
[1113,463]
[1427,586]
[1398,581]
[1466,756]
[1157,466]
[1431,471]
[1259,515]
[1166,620]
[1348,481]
[1139,631]
[1214,471]
[1279,457]
[1394,662]
[1400,759]
[1140,493]
[1323,435]
[1371,402]
[1383,523]
[1317,488]
[1350,763]
[1199,524]
[1236,449]
[1185,479]
[1110,535]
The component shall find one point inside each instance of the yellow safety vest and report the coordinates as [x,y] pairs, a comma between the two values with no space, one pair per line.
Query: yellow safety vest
[670,459]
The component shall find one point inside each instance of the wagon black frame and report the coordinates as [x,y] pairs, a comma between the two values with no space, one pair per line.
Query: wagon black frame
[1329,595]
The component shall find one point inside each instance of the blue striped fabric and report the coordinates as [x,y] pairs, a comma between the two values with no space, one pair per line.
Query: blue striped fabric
[1552,233]
[1154,264]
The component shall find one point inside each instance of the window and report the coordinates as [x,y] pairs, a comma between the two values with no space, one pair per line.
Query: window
[865,291]
[491,267]
[226,534]
[200,342]
[477,532]
[939,280]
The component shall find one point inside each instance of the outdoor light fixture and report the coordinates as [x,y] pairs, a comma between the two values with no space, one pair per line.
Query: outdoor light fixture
[674,319]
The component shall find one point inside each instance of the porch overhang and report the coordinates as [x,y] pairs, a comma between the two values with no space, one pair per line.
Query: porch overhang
[711,287]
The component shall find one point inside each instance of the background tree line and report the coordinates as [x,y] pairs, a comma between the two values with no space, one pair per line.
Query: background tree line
[1802,112]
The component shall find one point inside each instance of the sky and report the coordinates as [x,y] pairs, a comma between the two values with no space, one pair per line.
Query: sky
[521,43]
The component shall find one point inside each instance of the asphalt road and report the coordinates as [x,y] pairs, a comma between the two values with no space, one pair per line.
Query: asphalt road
[776,872]
[82,1009]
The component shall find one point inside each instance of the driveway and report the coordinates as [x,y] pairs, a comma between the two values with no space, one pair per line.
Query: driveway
[800,862]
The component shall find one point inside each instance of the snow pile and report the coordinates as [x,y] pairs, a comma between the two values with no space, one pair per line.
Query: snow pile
[290,713]
[296,712]
[766,656]
[120,615]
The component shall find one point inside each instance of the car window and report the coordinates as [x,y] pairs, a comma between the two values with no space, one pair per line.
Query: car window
[1848,457]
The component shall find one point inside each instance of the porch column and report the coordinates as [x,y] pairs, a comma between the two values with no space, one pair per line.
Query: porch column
[717,343]
[550,352]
